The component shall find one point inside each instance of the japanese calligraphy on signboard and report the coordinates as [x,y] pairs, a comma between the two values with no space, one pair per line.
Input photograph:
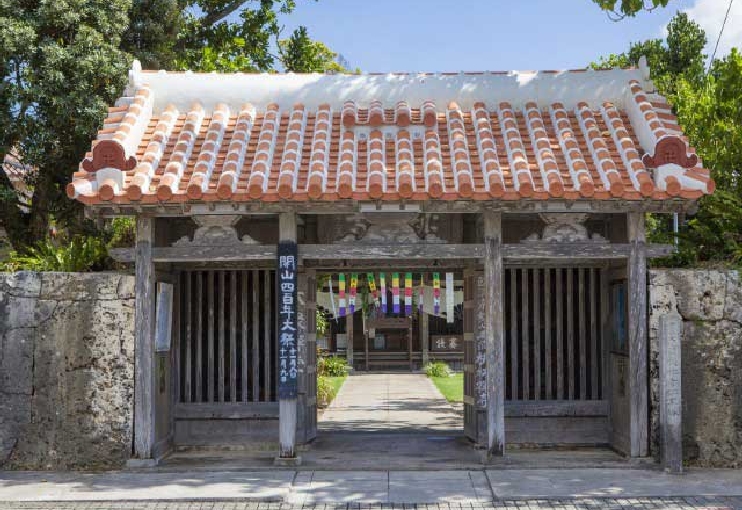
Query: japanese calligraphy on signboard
[447,342]
[287,334]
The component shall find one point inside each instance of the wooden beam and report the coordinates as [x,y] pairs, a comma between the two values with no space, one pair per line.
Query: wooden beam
[523,206]
[210,336]
[559,333]
[533,408]
[548,298]
[513,334]
[233,336]
[198,360]
[361,251]
[637,335]
[227,411]
[187,384]
[494,333]
[525,348]
[220,345]
[144,340]
[267,332]
[245,371]
[255,321]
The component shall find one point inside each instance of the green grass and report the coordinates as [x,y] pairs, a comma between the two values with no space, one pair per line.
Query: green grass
[327,388]
[336,383]
[451,387]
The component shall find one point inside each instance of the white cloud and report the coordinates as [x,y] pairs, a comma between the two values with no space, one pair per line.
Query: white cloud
[710,15]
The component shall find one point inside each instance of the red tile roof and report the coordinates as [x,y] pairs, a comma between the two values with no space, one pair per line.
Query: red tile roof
[487,140]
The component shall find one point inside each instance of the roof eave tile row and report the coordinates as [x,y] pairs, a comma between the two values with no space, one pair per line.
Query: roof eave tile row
[388,154]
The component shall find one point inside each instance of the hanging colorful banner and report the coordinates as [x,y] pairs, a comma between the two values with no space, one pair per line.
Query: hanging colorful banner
[395,292]
[421,294]
[353,290]
[382,284]
[341,294]
[436,294]
[450,299]
[408,294]
[372,288]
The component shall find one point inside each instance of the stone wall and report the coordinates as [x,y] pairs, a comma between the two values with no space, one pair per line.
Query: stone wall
[710,303]
[66,370]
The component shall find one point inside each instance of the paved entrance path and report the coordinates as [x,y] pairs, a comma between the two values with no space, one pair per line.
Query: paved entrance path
[582,488]
[392,403]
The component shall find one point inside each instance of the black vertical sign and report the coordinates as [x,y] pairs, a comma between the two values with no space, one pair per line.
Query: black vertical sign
[287,355]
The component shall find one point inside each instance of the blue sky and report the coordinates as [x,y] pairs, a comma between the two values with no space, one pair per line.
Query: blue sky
[471,35]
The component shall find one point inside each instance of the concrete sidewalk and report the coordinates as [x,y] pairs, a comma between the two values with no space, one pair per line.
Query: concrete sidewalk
[398,487]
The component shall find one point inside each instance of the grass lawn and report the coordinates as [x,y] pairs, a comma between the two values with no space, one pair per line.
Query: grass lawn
[451,387]
[333,385]
[336,383]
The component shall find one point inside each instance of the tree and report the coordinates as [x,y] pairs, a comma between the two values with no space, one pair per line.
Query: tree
[223,36]
[302,55]
[61,66]
[707,108]
[679,56]
[619,10]
[63,62]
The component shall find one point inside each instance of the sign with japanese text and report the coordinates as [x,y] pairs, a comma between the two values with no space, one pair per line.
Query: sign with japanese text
[287,334]
[447,342]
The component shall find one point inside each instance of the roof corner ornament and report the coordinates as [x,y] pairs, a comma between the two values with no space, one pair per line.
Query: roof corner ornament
[670,150]
[109,154]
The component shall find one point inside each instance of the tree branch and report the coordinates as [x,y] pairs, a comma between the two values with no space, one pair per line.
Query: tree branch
[219,14]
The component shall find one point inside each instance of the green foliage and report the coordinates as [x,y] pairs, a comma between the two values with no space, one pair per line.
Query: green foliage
[708,109]
[302,55]
[79,254]
[122,232]
[680,56]
[437,369]
[327,389]
[452,386]
[332,366]
[63,62]
[619,9]
[61,66]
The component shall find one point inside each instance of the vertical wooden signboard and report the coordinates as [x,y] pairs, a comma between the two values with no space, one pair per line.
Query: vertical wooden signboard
[287,345]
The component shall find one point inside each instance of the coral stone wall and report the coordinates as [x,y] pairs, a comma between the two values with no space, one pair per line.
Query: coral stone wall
[66,370]
[710,303]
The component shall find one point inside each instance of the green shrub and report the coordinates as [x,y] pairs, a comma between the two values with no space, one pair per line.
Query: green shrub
[437,369]
[79,254]
[325,391]
[332,366]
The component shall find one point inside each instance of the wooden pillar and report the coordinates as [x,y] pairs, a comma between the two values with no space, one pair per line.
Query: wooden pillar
[494,333]
[424,335]
[144,346]
[349,335]
[637,335]
[287,407]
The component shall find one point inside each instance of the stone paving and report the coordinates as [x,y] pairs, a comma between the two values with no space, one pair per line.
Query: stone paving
[391,402]
[377,489]
[700,503]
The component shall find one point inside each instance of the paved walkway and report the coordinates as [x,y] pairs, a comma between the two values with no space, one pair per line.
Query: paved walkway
[699,503]
[472,488]
[390,402]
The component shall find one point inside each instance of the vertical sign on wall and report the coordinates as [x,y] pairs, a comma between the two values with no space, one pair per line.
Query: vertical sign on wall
[287,347]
